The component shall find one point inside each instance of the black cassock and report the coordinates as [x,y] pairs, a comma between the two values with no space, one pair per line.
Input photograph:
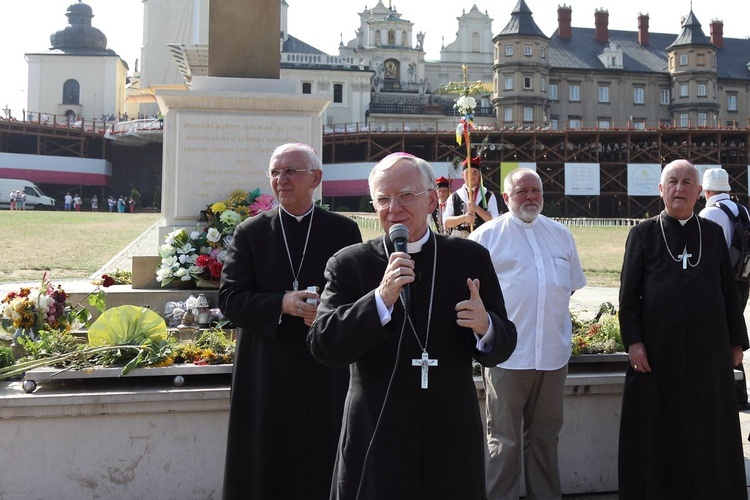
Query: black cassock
[286,407]
[430,443]
[679,430]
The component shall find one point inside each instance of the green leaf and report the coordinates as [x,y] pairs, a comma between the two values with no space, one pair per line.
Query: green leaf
[127,325]
[98,300]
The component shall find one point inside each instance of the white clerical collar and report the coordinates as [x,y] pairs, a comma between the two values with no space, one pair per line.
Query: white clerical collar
[521,223]
[416,247]
[682,221]
[298,217]
[685,221]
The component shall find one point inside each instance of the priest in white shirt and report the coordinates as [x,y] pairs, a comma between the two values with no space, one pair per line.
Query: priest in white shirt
[537,264]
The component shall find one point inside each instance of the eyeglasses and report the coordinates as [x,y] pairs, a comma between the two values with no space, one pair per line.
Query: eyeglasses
[274,173]
[404,199]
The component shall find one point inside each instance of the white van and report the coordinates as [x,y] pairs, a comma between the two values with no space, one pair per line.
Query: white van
[35,199]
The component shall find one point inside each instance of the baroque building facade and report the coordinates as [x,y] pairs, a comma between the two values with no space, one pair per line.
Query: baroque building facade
[576,78]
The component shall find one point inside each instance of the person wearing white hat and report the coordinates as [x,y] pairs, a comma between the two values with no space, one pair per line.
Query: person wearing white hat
[716,190]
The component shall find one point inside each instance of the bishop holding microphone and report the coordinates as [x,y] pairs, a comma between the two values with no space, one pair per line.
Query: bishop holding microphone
[411,425]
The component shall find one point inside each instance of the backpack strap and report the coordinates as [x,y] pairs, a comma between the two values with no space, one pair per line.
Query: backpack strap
[742,214]
[725,209]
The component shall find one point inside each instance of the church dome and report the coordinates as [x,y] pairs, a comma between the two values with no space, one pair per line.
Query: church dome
[79,37]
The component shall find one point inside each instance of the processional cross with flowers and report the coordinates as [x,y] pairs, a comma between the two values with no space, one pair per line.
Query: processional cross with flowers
[465,104]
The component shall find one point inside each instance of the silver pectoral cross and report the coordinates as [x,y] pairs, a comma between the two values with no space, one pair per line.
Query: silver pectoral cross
[685,256]
[425,362]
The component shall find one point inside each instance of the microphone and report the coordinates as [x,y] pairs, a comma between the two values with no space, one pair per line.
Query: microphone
[399,235]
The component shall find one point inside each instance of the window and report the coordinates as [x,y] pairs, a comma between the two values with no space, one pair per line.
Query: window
[528,114]
[338,92]
[684,120]
[307,88]
[665,96]
[508,114]
[544,84]
[731,103]
[639,124]
[701,90]
[508,50]
[575,93]
[527,80]
[603,124]
[508,83]
[701,119]
[638,95]
[553,91]
[683,60]
[553,124]
[574,123]
[542,53]
[71,92]
[684,90]
[603,94]
[527,51]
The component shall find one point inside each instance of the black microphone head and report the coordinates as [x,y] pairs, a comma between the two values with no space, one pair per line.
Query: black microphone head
[398,231]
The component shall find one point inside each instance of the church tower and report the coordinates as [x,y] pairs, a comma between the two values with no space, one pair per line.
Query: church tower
[693,70]
[521,71]
[78,76]
[386,39]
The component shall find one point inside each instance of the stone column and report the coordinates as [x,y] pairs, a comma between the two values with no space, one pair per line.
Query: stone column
[243,38]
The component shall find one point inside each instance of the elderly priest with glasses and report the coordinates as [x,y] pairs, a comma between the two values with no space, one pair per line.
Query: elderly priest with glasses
[411,426]
[285,411]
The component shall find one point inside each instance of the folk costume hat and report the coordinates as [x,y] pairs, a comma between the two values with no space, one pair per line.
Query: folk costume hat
[442,182]
[716,179]
[475,163]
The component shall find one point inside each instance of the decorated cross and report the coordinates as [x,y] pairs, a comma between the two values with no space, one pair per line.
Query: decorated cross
[465,105]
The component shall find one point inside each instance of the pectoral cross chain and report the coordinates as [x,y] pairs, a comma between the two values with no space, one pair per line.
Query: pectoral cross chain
[685,256]
[425,362]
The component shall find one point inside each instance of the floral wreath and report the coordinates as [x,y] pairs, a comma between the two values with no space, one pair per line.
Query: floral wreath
[199,255]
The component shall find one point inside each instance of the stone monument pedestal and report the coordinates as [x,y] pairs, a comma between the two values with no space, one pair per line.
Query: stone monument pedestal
[219,136]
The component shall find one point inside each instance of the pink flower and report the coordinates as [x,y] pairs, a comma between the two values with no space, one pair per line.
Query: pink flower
[262,203]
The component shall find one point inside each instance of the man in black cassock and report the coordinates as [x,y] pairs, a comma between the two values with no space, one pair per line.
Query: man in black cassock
[411,427]
[684,331]
[286,407]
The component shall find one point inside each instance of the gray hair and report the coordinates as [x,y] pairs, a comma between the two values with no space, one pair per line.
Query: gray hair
[313,160]
[425,169]
[679,163]
[508,181]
